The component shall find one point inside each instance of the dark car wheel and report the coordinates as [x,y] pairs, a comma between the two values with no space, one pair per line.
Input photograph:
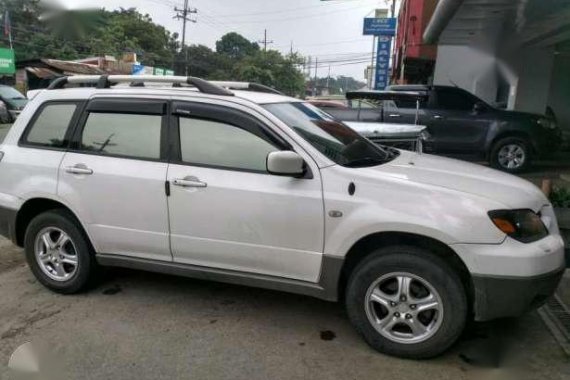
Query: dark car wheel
[406,302]
[58,252]
[511,154]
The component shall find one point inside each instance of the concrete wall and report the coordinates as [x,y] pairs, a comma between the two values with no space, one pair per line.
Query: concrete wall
[533,70]
[529,72]
[469,68]
[559,95]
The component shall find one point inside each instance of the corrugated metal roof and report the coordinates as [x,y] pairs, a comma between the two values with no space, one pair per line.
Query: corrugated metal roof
[42,72]
[73,67]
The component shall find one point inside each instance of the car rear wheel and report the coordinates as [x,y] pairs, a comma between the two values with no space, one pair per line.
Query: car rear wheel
[406,302]
[58,253]
[511,154]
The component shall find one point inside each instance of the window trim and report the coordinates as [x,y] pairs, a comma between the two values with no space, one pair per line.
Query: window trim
[69,133]
[215,115]
[75,144]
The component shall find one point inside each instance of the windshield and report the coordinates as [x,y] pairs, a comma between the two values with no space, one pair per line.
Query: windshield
[331,137]
[13,96]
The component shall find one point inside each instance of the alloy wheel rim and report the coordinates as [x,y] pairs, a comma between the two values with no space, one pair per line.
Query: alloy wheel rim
[56,254]
[512,156]
[404,308]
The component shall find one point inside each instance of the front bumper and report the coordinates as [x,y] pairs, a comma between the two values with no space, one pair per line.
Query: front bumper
[511,278]
[499,297]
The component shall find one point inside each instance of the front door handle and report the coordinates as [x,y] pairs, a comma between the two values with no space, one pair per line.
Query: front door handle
[437,117]
[79,169]
[189,181]
[394,115]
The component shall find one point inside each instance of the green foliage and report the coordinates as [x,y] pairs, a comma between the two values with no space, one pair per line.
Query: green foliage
[235,46]
[79,34]
[560,197]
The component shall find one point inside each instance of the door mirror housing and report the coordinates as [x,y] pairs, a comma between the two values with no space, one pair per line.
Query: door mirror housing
[479,107]
[285,163]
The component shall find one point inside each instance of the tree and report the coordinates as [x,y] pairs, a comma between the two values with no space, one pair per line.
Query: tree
[235,46]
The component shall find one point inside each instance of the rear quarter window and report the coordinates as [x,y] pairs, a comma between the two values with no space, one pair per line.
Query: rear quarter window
[49,126]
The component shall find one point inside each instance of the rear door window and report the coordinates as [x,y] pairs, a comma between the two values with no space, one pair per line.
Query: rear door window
[50,126]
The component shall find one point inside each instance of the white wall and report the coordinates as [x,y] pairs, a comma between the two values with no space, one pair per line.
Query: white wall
[469,68]
[533,69]
[528,71]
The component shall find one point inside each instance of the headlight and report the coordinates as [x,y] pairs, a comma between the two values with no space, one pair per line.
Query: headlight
[546,123]
[522,225]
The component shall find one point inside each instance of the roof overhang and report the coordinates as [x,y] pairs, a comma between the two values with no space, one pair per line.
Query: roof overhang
[488,23]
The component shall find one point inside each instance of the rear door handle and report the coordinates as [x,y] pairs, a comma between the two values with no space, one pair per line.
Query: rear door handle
[394,115]
[79,169]
[437,117]
[189,181]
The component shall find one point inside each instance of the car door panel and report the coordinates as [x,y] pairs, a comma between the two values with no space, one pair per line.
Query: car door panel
[121,200]
[247,222]
[456,128]
[242,220]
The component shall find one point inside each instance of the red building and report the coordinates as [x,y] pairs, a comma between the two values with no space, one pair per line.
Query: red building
[413,61]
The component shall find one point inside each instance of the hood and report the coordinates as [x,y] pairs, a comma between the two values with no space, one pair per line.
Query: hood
[509,190]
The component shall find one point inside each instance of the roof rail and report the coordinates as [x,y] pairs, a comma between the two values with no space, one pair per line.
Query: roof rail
[105,81]
[247,86]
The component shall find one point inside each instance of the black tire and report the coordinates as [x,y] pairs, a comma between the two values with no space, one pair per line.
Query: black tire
[514,141]
[421,263]
[86,264]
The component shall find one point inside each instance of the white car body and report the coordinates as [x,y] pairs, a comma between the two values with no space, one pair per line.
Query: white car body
[267,230]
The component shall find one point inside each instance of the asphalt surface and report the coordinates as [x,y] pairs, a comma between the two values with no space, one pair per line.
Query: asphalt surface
[137,325]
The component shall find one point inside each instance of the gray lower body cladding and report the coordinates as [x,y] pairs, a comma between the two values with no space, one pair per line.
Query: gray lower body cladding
[500,297]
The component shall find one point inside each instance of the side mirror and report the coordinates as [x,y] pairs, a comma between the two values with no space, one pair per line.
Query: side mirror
[285,163]
[479,107]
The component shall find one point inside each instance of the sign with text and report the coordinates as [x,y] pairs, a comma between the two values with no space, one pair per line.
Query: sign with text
[382,75]
[379,26]
[7,62]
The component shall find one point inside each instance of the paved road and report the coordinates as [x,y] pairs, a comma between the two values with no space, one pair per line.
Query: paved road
[136,325]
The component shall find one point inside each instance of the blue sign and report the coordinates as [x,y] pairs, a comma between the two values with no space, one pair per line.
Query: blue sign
[379,26]
[137,69]
[382,74]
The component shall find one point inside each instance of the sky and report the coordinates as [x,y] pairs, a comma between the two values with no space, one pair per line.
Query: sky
[329,30]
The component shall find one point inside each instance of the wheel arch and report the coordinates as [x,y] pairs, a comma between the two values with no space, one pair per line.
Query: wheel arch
[368,244]
[36,206]
[507,134]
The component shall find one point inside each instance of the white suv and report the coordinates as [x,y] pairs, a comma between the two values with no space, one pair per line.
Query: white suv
[260,189]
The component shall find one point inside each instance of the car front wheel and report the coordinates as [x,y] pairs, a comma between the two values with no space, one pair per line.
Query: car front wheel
[406,302]
[511,155]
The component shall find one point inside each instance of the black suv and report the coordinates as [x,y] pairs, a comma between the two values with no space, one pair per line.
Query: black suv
[462,124]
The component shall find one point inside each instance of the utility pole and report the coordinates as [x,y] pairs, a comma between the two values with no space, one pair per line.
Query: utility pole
[184,15]
[315,81]
[265,41]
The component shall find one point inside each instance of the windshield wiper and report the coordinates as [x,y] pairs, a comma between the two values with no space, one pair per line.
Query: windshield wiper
[365,161]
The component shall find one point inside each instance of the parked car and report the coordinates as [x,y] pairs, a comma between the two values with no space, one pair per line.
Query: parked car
[265,190]
[12,102]
[462,125]
[364,112]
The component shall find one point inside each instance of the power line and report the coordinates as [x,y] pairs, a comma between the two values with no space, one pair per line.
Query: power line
[280,11]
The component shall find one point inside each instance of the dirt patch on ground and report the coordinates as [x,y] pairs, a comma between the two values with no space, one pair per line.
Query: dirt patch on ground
[10,256]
